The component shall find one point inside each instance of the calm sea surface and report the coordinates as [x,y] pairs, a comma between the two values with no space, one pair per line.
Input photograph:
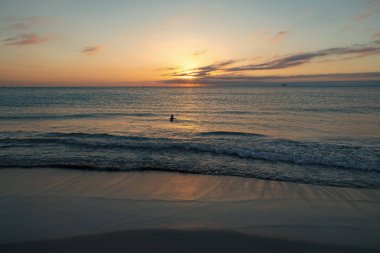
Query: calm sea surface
[325,136]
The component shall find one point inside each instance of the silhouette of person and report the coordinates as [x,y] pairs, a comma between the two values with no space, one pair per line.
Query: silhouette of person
[171,118]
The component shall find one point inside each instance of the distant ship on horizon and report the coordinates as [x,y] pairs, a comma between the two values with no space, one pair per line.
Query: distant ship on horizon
[284,85]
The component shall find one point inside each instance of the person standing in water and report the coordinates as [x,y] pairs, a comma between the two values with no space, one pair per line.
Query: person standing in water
[171,118]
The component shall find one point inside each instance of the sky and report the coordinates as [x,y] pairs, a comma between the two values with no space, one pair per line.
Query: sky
[225,42]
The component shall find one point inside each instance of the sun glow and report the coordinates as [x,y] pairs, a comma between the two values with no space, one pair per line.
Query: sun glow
[189,70]
[188,74]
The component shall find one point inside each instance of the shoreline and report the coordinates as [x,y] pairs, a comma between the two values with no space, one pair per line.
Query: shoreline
[51,204]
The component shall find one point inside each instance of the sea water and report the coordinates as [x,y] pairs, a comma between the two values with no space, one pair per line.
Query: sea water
[324,136]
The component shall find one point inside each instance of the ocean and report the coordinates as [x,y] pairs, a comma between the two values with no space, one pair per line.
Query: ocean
[323,136]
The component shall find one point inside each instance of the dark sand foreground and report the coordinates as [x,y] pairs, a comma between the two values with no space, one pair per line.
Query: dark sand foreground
[167,241]
[77,211]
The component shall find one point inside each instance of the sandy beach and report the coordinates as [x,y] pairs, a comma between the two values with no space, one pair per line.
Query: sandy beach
[64,210]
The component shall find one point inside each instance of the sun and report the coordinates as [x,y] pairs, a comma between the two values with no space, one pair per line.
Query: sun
[188,74]
[189,70]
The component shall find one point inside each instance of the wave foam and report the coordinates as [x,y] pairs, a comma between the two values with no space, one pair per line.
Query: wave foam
[265,149]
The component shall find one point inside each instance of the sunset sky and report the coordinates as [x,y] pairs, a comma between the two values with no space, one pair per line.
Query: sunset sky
[119,42]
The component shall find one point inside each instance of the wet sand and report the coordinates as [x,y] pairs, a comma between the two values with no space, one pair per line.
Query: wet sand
[167,241]
[89,211]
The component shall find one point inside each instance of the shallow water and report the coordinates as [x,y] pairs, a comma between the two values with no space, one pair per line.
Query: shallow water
[325,136]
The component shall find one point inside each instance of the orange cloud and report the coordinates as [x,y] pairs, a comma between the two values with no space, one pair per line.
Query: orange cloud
[91,50]
[279,37]
[26,39]
[199,52]
[357,20]
[363,16]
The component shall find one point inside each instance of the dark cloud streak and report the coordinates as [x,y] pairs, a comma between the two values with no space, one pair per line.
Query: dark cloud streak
[25,39]
[288,61]
[250,80]
[28,23]
[91,50]
[202,71]
[304,58]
